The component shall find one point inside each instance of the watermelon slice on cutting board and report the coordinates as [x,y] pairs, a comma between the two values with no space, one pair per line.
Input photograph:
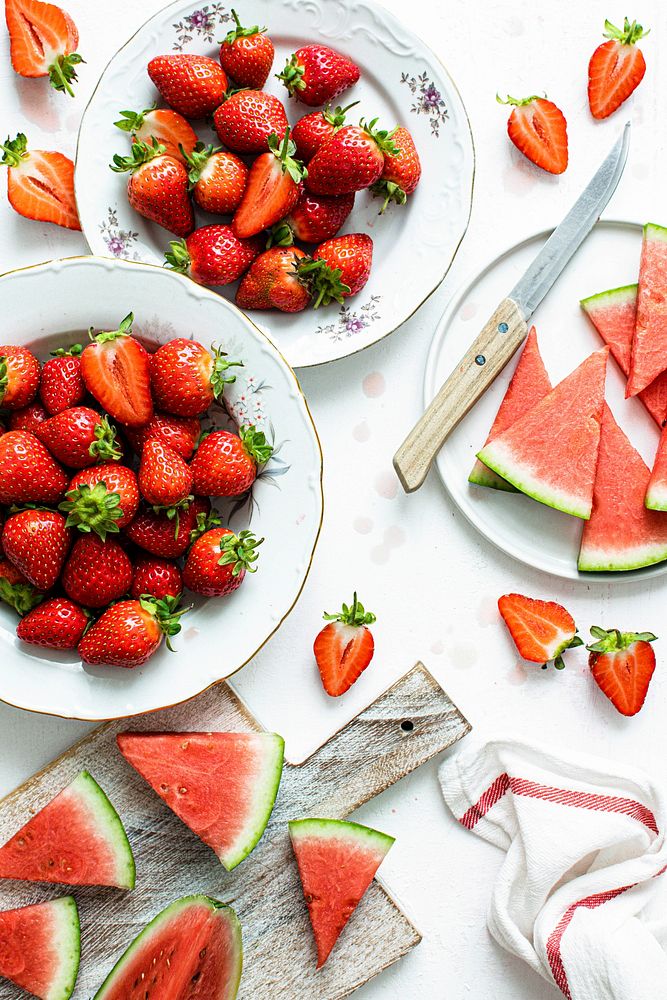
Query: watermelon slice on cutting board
[190,951]
[551,452]
[222,785]
[621,533]
[337,862]
[530,383]
[77,839]
[613,315]
[40,947]
[649,344]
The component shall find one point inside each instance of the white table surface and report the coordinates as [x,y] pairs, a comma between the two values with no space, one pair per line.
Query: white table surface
[432,581]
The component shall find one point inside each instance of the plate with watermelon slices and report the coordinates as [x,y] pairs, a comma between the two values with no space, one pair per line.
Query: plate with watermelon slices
[557,464]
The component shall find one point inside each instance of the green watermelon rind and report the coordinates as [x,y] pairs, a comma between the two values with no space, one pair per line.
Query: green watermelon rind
[155,927]
[108,824]
[500,461]
[267,791]
[656,497]
[66,944]
[605,561]
[609,298]
[335,828]
[652,231]
[481,475]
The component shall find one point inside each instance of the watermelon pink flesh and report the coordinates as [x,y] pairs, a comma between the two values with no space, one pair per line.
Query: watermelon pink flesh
[551,452]
[613,315]
[190,951]
[530,383]
[222,785]
[621,534]
[40,947]
[656,492]
[337,862]
[77,839]
[649,345]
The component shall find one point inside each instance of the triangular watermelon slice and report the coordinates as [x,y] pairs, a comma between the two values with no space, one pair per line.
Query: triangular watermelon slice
[530,383]
[656,491]
[551,452]
[77,839]
[613,315]
[222,785]
[621,534]
[337,863]
[40,947]
[649,344]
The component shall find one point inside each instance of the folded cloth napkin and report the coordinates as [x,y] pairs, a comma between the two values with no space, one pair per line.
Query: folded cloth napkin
[585,842]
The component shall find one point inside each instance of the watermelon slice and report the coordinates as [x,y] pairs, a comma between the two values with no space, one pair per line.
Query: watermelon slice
[621,534]
[550,453]
[337,863]
[530,383]
[40,948]
[190,951]
[649,344]
[613,315]
[77,839]
[222,785]
[656,491]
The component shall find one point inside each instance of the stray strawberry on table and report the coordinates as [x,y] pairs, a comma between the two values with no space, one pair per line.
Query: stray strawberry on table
[622,664]
[540,630]
[40,183]
[538,129]
[344,648]
[616,68]
[43,41]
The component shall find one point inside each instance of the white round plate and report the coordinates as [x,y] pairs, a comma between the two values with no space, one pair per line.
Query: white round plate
[43,307]
[529,531]
[402,82]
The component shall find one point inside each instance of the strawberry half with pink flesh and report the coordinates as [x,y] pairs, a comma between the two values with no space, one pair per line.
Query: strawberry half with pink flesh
[538,129]
[540,630]
[61,385]
[213,255]
[225,464]
[42,42]
[102,499]
[28,471]
[40,183]
[180,433]
[272,189]
[616,69]
[58,623]
[245,121]
[165,481]
[15,589]
[344,647]
[193,85]
[157,187]
[313,219]
[128,633]
[339,268]
[401,173]
[157,577]
[79,437]
[313,130]
[273,282]
[315,74]
[219,560]
[163,125]
[622,664]
[246,54]
[186,378]
[116,370]
[353,159]
[217,179]
[37,542]
[27,419]
[97,572]
[19,377]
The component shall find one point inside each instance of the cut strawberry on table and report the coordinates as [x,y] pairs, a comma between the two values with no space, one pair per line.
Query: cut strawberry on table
[61,385]
[273,282]
[538,129]
[19,377]
[218,561]
[401,173]
[316,74]
[344,647]
[192,85]
[353,159]
[157,187]
[314,219]
[541,630]
[186,378]
[164,126]
[246,119]
[130,632]
[225,464]
[314,129]
[616,68]
[40,183]
[217,179]
[622,664]
[79,437]
[43,39]
[37,543]
[58,623]
[272,189]
[213,255]
[246,54]
[116,371]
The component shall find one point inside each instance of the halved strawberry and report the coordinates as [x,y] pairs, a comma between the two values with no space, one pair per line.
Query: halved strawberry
[344,647]
[116,371]
[616,68]
[541,630]
[42,41]
[40,183]
[272,188]
[538,130]
[622,664]
[167,127]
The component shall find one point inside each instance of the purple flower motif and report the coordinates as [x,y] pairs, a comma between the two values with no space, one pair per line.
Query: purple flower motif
[197,19]
[350,323]
[429,100]
[203,22]
[432,97]
[354,325]
[115,245]
[119,242]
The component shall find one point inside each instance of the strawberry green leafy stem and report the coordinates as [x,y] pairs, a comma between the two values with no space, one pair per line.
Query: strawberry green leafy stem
[106,336]
[105,447]
[382,136]
[559,662]
[21,596]
[613,641]
[4,377]
[284,151]
[167,614]
[240,32]
[15,150]
[520,102]
[240,551]
[197,160]
[323,282]
[173,511]
[92,508]
[62,72]
[131,121]
[336,118]
[68,352]
[627,35]
[142,152]
[390,191]
[255,444]
[204,523]
[292,75]
[353,615]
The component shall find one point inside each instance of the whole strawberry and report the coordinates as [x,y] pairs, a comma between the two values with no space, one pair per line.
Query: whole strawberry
[218,561]
[180,433]
[272,189]
[213,255]
[225,464]
[162,124]
[15,589]
[165,480]
[96,572]
[102,499]
[246,120]
[273,283]
[314,218]
[246,55]
[315,74]
[28,472]
[186,378]
[157,187]
[401,173]
[79,437]
[37,543]
[58,623]
[193,85]
[128,633]
[316,128]
[158,577]
[353,159]
[217,179]
[163,536]
[61,385]
[116,370]
[339,268]
[19,377]
[27,419]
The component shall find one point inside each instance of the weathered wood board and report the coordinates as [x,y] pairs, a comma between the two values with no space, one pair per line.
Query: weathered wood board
[409,724]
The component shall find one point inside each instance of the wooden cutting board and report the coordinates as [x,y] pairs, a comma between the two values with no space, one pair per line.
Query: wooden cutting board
[408,725]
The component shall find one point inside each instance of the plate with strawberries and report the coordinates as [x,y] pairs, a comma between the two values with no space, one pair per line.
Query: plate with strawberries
[160,489]
[311,162]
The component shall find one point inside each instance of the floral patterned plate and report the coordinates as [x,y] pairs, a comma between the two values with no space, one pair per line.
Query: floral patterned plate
[57,301]
[402,82]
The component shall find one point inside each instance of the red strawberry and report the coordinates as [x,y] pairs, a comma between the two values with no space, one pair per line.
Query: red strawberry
[19,377]
[339,268]
[218,561]
[79,437]
[40,183]
[102,499]
[165,126]
[314,129]
[15,589]
[180,433]
[538,130]
[186,378]
[246,54]
[97,572]
[158,577]
[61,385]
[353,159]
[162,536]
[217,179]
[273,283]
[616,68]
[246,120]
[28,473]
[157,187]
[43,39]
[401,173]
[622,664]
[313,219]
[27,419]
[344,648]
[541,630]
[116,371]
[192,85]
[315,74]
[213,255]
[57,624]
[37,542]
[225,464]
[165,480]
[272,190]
[128,633]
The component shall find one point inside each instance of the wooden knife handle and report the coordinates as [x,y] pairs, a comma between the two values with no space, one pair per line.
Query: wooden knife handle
[501,337]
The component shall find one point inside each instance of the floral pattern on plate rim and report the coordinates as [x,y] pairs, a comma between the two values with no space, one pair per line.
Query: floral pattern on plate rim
[428,100]
[351,321]
[119,242]
[203,22]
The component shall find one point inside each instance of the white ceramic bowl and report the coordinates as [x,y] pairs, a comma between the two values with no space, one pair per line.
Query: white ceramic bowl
[42,306]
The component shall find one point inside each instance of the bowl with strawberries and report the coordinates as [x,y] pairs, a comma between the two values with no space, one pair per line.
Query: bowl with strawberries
[312,164]
[160,488]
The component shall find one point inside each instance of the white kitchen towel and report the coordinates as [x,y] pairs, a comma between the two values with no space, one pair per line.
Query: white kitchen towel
[585,846]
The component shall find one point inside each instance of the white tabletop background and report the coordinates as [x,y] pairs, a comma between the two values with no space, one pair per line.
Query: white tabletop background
[432,581]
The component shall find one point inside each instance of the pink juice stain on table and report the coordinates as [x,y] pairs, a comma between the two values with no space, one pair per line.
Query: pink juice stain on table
[374,385]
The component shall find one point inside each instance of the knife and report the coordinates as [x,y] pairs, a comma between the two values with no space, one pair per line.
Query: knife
[507,328]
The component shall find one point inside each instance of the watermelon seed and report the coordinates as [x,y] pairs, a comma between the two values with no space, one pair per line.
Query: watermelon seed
[182,791]
[202,953]
[195,977]
[407,725]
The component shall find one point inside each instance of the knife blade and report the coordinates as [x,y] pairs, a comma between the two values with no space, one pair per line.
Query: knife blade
[507,328]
